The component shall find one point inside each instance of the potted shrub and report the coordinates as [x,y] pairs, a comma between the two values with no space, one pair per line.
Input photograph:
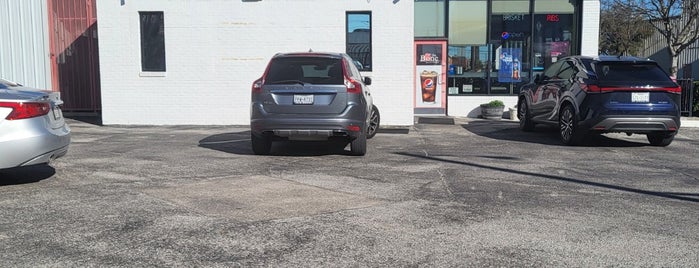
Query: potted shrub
[492,109]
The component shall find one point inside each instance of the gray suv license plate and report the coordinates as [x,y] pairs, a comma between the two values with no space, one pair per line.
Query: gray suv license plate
[303,99]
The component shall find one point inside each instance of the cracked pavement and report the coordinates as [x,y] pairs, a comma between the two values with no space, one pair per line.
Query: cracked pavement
[476,193]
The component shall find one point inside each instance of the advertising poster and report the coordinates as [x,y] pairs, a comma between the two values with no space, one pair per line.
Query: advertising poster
[428,71]
[510,65]
[428,86]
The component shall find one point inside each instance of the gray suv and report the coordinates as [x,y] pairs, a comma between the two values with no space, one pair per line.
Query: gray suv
[312,97]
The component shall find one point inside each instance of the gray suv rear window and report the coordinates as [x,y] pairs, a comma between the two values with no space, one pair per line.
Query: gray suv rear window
[628,71]
[308,70]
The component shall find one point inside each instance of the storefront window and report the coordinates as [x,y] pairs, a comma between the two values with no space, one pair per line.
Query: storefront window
[468,49]
[496,46]
[430,19]
[468,21]
[554,32]
[510,33]
[467,67]
[510,6]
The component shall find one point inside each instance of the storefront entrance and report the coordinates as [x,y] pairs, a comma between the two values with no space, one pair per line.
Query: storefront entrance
[496,46]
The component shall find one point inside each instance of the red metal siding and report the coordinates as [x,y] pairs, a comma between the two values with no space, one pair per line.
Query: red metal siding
[74,54]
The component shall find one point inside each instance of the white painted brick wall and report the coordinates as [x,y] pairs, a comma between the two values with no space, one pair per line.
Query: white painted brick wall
[590,28]
[216,48]
[470,106]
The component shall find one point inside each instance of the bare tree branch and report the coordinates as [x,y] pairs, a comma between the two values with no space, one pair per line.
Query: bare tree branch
[676,20]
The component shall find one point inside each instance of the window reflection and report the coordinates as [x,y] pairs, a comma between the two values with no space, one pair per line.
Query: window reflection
[359,39]
[554,26]
[467,66]
[552,39]
[510,32]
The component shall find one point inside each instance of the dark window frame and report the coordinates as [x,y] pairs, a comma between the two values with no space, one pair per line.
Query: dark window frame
[369,55]
[152,32]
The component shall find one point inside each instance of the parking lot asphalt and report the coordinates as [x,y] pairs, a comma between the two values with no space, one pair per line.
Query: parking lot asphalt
[474,193]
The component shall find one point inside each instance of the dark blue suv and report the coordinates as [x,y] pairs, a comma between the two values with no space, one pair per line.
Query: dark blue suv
[586,95]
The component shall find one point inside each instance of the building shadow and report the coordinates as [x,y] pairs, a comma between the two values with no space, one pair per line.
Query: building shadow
[508,130]
[25,175]
[89,118]
[239,143]
[690,197]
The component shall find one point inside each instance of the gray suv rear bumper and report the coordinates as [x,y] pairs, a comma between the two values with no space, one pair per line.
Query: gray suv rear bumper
[308,126]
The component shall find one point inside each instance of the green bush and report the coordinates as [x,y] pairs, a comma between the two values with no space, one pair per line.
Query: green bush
[495,103]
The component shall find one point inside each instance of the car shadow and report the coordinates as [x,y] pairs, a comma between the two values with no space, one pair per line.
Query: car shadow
[239,143]
[25,175]
[542,134]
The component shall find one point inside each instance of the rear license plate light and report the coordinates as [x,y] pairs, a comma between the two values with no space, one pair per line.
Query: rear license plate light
[57,114]
[640,97]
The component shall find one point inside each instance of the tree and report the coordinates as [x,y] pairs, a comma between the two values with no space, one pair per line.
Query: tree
[676,20]
[622,31]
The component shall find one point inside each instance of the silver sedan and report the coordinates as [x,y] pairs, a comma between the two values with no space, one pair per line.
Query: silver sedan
[32,128]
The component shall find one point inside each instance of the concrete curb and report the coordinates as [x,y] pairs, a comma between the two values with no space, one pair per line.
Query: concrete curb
[684,121]
[689,122]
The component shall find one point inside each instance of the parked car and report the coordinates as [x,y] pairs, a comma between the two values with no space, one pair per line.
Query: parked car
[312,97]
[32,128]
[586,95]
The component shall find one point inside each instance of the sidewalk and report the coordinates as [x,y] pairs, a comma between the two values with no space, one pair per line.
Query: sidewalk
[689,122]
[684,121]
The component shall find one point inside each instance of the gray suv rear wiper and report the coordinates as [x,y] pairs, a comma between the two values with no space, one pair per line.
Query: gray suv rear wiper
[288,82]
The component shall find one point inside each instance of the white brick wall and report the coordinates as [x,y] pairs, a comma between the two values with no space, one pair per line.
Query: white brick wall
[470,106]
[216,48]
[590,28]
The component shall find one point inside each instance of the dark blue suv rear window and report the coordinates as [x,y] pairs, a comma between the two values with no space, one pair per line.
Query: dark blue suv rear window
[629,71]
[308,70]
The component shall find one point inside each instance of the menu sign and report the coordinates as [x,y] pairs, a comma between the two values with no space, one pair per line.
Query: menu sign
[429,54]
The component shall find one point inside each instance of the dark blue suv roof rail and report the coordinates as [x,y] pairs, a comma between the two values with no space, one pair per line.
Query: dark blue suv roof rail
[621,58]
